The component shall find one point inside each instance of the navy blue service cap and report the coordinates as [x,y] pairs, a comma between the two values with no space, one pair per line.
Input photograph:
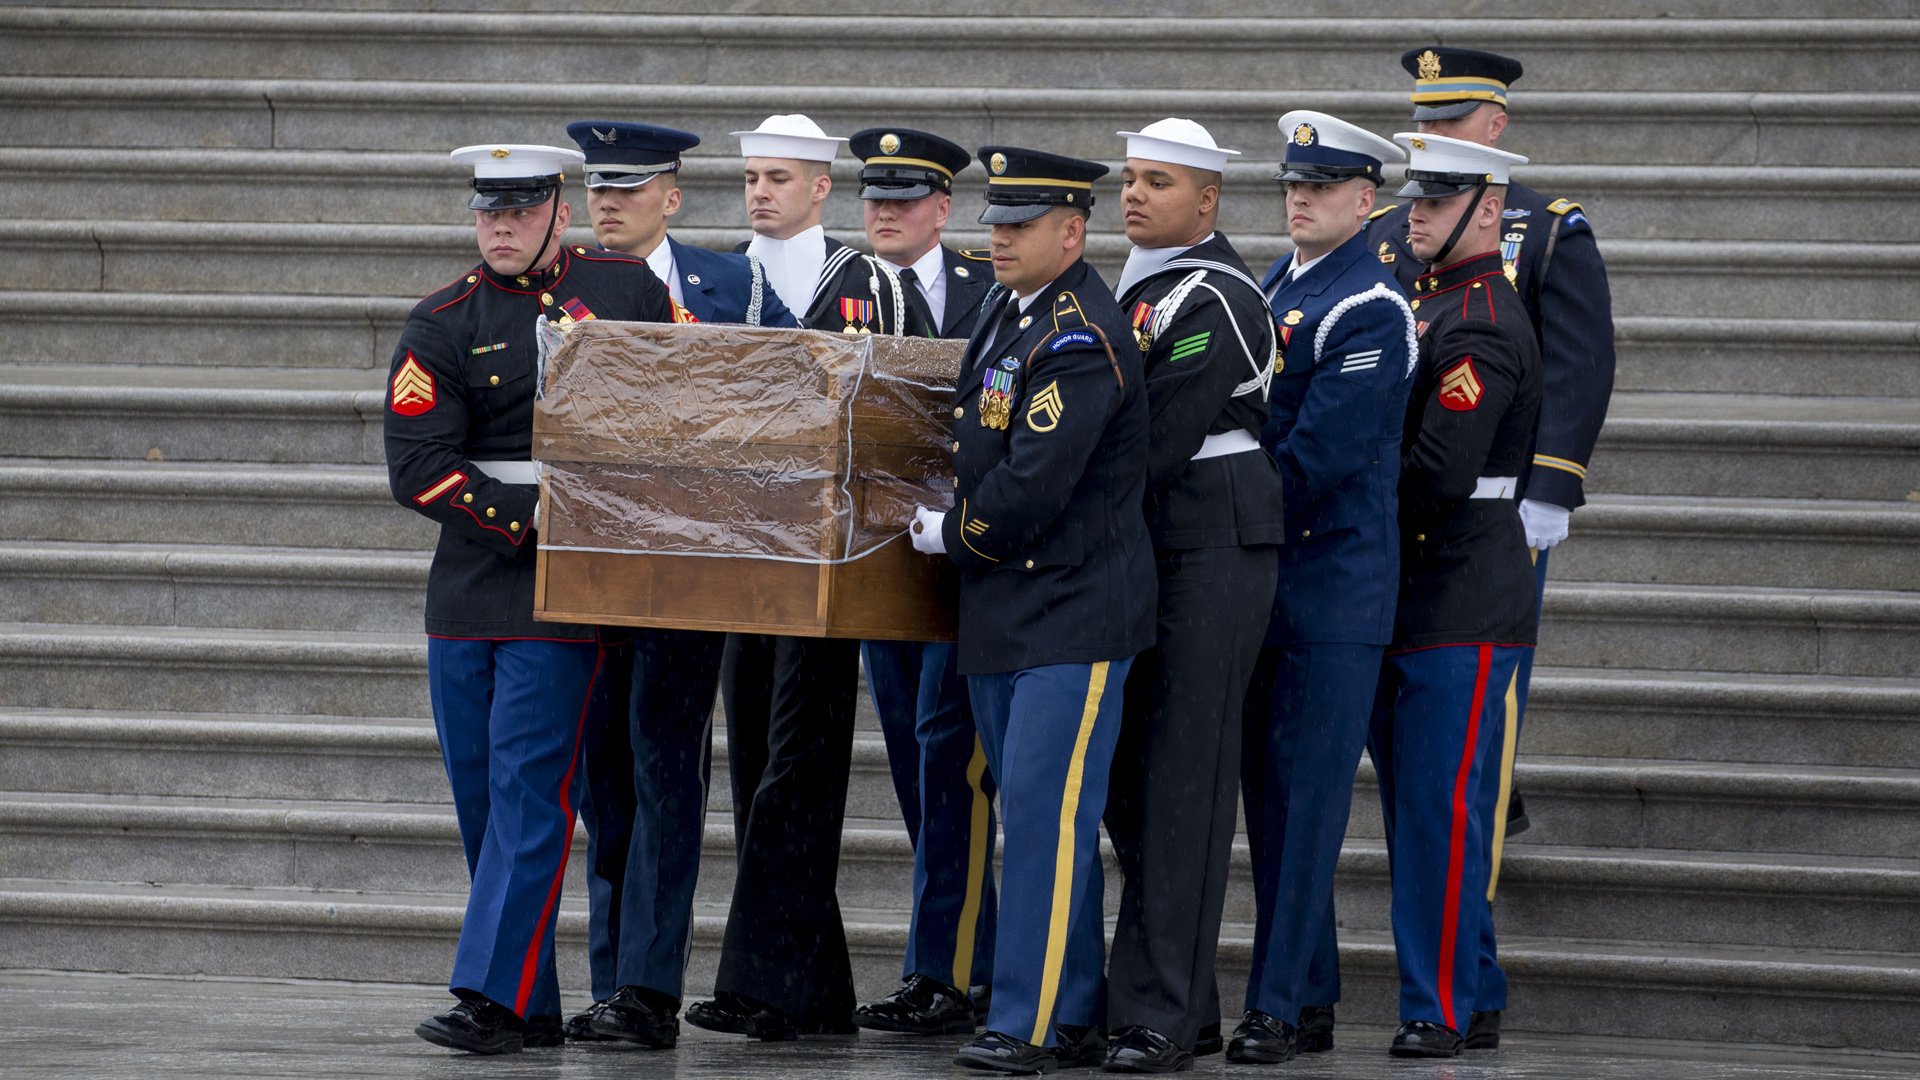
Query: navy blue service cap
[507,176]
[1324,149]
[1024,184]
[626,155]
[905,164]
[1450,82]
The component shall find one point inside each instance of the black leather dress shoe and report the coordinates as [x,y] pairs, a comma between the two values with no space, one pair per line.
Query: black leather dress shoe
[1004,1053]
[1076,1047]
[543,1031]
[640,1016]
[1483,1030]
[1261,1040]
[1139,1049]
[478,1027]
[921,1006]
[733,1014]
[1315,1030]
[1419,1038]
[579,1026]
[1208,1042]
[1517,822]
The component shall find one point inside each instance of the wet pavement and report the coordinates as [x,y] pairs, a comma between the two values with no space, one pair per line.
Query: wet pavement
[68,1027]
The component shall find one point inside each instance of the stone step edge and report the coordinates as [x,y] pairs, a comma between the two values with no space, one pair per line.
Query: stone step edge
[1746,107]
[741,30]
[1844,975]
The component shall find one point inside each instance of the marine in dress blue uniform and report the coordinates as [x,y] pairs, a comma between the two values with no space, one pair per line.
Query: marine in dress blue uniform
[1339,395]
[1056,598]
[1548,252]
[1213,510]
[933,750]
[648,767]
[512,698]
[1468,610]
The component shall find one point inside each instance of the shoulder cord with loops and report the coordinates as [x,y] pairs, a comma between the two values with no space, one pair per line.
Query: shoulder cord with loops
[1169,306]
[1380,291]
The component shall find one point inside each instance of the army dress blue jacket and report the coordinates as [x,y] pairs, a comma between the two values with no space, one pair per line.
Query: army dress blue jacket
[1339,395]
[1548,252]
[723,288]
[460,390]
[1050,467]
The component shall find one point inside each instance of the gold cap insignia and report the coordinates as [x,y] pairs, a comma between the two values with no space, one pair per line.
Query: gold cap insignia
[502,152]
[1417,144]
[1303,135]
[998,163]
[1429,63]
[1292,318]
[889,143]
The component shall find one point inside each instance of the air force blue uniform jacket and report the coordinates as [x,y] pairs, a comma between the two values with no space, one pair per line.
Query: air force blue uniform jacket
[722,288]
[1339,396]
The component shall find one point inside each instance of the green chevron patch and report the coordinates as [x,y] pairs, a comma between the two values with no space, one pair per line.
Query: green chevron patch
[1190,346]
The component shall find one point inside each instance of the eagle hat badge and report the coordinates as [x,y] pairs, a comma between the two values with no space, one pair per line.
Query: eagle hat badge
[608,136]
[1304,135]
[889,143]
[998,163]
[1429,63]
[502,152]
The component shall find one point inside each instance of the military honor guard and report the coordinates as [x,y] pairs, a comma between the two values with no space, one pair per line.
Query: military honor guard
[648,766]
[1547,251]
[828,285]
[1056,591]
[512,698]
[939,767]
[1213,511]
[1339,394]
[1468,608]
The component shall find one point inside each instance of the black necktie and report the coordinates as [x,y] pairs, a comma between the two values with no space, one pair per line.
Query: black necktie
[917,302]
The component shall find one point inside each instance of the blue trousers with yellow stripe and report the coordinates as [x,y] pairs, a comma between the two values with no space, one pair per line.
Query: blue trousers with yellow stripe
[1436,716]
[1049,733]
[1494,789]
[511,716]
[946,799]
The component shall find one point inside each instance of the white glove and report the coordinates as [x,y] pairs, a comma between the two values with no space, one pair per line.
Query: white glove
[1546,524]
[926,531]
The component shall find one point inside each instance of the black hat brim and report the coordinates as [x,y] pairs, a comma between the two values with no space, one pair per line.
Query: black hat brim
[1452,110]
[1014,213]
[1432,189]
[509,200]
[1310,174]
[903,193]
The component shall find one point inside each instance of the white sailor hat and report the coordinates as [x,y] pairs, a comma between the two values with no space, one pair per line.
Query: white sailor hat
[508,175]
[791,135]
[1179,142]
[1438,166]
[1324,149]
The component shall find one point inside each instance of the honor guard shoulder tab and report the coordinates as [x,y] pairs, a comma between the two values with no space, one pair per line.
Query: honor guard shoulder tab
[1562,207]
[976,254]
[1387,209]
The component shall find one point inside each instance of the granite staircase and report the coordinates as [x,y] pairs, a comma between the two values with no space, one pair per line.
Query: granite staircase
[215,755]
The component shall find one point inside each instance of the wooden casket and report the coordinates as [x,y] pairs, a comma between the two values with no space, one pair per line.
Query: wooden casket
[742,478]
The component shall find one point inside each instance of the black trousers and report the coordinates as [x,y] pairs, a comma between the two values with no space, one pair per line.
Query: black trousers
[1175,786]
[789,708]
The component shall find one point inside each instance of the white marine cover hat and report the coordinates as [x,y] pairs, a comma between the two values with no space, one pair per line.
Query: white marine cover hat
[789,135]
[1177,141]
[1438,166]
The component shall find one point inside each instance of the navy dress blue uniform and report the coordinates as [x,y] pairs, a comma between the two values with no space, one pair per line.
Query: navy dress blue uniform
[1549,254]
[1214,511]
[648,766]
[1339,395]
[1056,594]
[512,697]
[1468,610]
[933,751]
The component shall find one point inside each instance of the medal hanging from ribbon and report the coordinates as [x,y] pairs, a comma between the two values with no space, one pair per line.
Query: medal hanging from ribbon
[996,399]
[858,314]
[1142,316]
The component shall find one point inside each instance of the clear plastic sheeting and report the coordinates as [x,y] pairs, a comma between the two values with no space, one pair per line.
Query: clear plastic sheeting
[744,442]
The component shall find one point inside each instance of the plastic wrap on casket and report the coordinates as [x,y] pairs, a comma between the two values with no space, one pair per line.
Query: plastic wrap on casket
[736,441]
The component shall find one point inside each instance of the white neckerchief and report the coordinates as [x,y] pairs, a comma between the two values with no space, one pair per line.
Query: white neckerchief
[930,270]
[793,265]
[664,267]
[1295,270]
[1142,262]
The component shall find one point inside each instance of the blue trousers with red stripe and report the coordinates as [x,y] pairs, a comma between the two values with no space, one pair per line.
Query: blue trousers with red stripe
[946,799]
[511,715]
[1049,733]
[1435,715]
